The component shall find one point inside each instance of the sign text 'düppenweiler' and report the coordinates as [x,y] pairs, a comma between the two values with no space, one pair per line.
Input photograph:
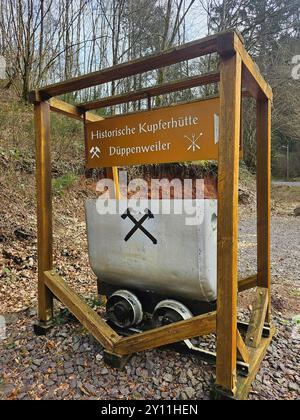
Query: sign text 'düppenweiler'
[188,132]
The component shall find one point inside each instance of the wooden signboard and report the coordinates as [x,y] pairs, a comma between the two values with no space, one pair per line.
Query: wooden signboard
[187,132]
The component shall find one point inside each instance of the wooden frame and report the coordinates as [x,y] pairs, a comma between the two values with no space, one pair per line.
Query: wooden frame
[237,75]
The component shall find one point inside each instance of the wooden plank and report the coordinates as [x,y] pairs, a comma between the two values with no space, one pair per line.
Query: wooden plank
[263,177]
[256,357]
[44,208]
[230,97]
[243,353]
[251,73]
[179,331]
[247,283]
[155,61]
[258,317]
[250,85]
[72,111]
[253,81]
[243,327]
[81,310]
[187,83]
[244,383]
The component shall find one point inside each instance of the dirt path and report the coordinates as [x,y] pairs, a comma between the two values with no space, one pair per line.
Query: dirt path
[286,184]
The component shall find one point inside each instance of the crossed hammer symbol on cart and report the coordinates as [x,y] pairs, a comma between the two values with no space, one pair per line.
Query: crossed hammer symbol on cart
[139,225]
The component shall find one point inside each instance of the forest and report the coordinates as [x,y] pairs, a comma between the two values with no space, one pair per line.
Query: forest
[47,41]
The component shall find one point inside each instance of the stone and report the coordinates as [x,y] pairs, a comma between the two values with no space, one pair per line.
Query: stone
[190,392]
[168,377]
[293,387]
[150,365]
[182,379]
[297,212]
[90,389]
[99,357]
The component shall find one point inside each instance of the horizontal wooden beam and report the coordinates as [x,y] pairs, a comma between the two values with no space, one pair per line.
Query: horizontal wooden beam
[72,111]
[169,334]
[165,88]
[247,283]
[82,311]
[155,61]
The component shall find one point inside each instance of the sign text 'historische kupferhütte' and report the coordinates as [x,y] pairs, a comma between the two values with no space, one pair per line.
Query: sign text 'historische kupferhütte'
[189,132]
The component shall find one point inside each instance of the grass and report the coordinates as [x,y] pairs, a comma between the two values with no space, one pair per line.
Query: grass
[286,194]
[63,183]
[17,139]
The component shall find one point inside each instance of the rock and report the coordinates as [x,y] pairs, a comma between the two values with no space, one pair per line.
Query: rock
[76,346]
[7,390]
[293,387]
[49,384]
[143,373]
[11,319]
[73,384]
[150,365]
[37,362]
[182,379]
[124,391]
[155,381]
[190,374]
[104,371]
[190,392]
[90,389]
[168,377]
[297,212]
[99,357]
[68,365]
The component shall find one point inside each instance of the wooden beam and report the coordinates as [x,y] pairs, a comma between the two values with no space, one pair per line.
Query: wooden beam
[166,58]
[187,83]
[227,272]
[179,331]
[258,317]
[243,354]
[256,357]
[72,111]
[253,80]
[250,86]
[263,179]
[247,283]
[82,311]
[231,43]
[44,208]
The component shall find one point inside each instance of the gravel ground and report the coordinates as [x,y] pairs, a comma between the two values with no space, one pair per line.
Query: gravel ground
[68,363]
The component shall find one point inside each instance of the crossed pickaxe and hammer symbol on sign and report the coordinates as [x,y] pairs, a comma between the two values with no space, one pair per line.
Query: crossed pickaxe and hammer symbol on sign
[138,225]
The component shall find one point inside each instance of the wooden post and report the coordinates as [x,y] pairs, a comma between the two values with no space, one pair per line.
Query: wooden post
[263,174]
[44,209]
[230,99]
